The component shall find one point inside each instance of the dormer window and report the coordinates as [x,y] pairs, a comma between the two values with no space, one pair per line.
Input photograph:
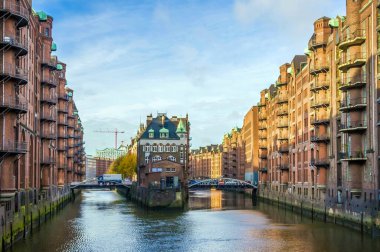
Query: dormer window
[151,133]
[164,133]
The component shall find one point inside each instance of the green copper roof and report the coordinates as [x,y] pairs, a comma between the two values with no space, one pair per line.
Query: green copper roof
[181,127]
[59,67]
[164,130]
[290,70]
[151,131]
[307,51]
[53,47]
[42,16]
[334,23]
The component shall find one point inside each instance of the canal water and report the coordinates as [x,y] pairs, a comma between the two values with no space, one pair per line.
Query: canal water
[215,221]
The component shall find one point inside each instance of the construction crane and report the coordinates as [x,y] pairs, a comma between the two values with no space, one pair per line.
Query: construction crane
[116,131]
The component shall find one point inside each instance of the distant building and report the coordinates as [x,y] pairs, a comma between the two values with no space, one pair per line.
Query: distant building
[112,153]
[90,167]
[97,166]
[251,144]
[234,155]
[206,162]
[162,151]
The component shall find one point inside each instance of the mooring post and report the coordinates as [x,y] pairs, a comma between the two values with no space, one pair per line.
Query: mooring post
[325,214]
[361,223]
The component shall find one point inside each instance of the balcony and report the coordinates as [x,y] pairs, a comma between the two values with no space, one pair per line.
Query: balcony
[262,136]
[282,112]
[281,83]
[353,156]
[62,121]
[283,138]
[48,117]
[9,104]
[320,85]
[319,68]
[17,44]
[320,162]
[260,105]
[263,146]
[63,135]
[320,138]
[353,104]
[61,148]
[349,39]
[282,124]
[263,156]
[283,149]
[13,147]
[263,169]
[47,161]
[9,71]
[49,63]
[50,99]
[64,109]
[318,103]
[353,126]
[315,43]
[353,82]
[64,97]
[48,135]
[283,167]
[352,60]
[49,81]
[262,126]
[262,117]
[62,165]
[15,11]
[320,120]
[282,99]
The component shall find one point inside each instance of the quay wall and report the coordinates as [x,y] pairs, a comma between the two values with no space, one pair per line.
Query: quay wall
[19,225]
[337,214]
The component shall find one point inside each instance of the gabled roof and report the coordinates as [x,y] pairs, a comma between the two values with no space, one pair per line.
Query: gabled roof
[156,125]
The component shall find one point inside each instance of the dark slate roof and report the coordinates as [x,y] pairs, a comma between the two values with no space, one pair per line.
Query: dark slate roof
[156,125]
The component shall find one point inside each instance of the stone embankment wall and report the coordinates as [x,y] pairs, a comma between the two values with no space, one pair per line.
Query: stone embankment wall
[30,217]
[359,221]
[157,198]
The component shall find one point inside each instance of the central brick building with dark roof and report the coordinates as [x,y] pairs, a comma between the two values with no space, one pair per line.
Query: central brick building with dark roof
[163,152]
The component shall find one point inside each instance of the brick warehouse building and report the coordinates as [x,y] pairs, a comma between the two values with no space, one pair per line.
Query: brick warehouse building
[41,146]
[319,123]
[237,157]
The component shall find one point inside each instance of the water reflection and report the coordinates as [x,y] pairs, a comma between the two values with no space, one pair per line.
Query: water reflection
[216,221]
[216,200]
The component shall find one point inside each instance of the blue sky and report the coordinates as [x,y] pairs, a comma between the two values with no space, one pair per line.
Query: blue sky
[129,58]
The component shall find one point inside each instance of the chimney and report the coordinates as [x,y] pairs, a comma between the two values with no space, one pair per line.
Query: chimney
[149,119]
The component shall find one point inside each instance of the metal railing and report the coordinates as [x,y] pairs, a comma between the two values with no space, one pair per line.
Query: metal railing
[345,37]
[353,124]
[320,137]
[319,161]
[354,102]
[351,58]
[320,119]
[49,117]
[12,70]
[52,98]
[352,81]
[14,103]
[13,146]
[52,80]
[15,9]
[352,154]
[319,84]
[320,102]
[15,41]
